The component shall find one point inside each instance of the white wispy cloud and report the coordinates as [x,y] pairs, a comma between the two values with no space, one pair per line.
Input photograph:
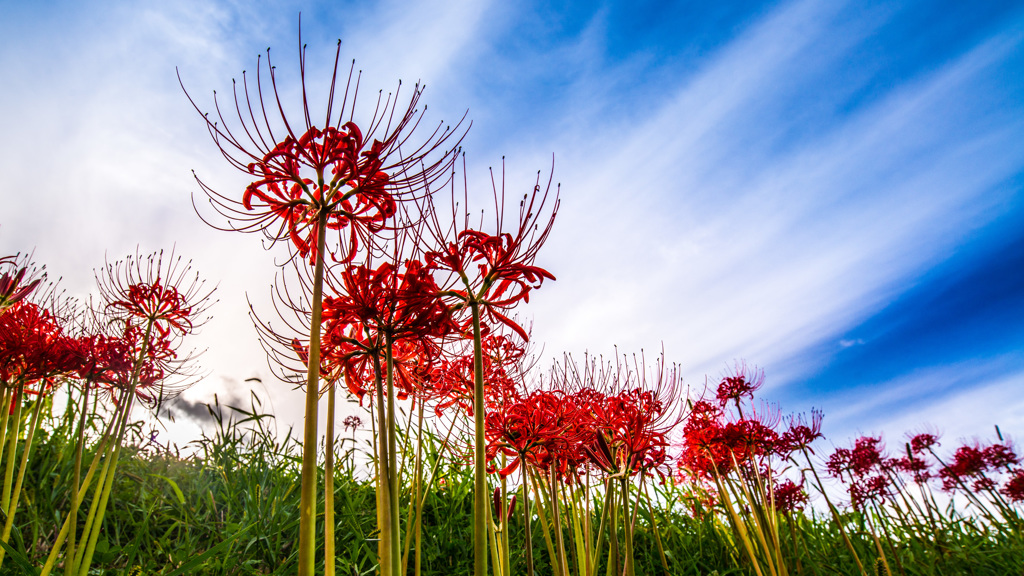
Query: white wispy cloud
[682,230]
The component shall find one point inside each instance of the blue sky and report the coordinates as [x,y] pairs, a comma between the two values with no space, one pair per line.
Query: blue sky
[833,191]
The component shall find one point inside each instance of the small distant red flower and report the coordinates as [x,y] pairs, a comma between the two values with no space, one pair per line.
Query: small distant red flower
[922,442]
[742,382]
[968,462]
[790,497]
[1014,487]
[915,466]
[802,433]
[999,456]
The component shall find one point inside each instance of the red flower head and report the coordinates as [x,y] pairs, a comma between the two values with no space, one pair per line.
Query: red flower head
[335,175]
[802,433]
[1014,487]
[627,411]
[495,270]
[924,441]
[33,346]
[742,382]
[17,280]
[154,303]
[538,428]
[790,497]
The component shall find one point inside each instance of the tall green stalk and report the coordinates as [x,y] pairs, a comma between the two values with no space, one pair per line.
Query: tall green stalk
[329,486]
[393,518]
[75,497]
[383,475]
[9,524]
[480,509]
[307,498]
[5,500]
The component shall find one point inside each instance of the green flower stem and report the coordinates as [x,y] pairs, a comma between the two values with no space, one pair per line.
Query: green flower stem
[599,537]
[624,481]
[106,455]
[613,528]
[556,517]
[76,492]
[5,500]
[480,508]
[417,483]
[383,475]
[393,511]
[8,390]
[329,486]
[506,553]
[657,532]
[106,487]
[526,516]
[540,497]
[307,498]
[9,524]
[835,513]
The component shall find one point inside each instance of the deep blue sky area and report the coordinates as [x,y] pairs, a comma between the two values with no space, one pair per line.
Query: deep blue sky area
[970,306]
[832,191]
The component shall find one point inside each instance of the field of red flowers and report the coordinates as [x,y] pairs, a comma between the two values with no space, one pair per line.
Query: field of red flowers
[480,460]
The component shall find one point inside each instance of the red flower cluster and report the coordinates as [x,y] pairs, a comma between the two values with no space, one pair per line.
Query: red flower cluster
[790,497]
[865,468]
[715,444]
[615,434]
[1014,487]
[33,346]
[971,462]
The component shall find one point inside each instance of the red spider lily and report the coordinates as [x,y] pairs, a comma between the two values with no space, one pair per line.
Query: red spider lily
[103,358]
[352,422]
[970,463]
[450,381]
[790,497]
[924,441]
[627,411]
[866,468]
[865,456]
[624,426]
[999,456]
[391,301]
[538,428]
[143,291]
[713,445]
[1014,487]
[742,382]
[334,174]
[912,464]
[154,303]
[495,270]
[33,345]
[801,433]
[17,281]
